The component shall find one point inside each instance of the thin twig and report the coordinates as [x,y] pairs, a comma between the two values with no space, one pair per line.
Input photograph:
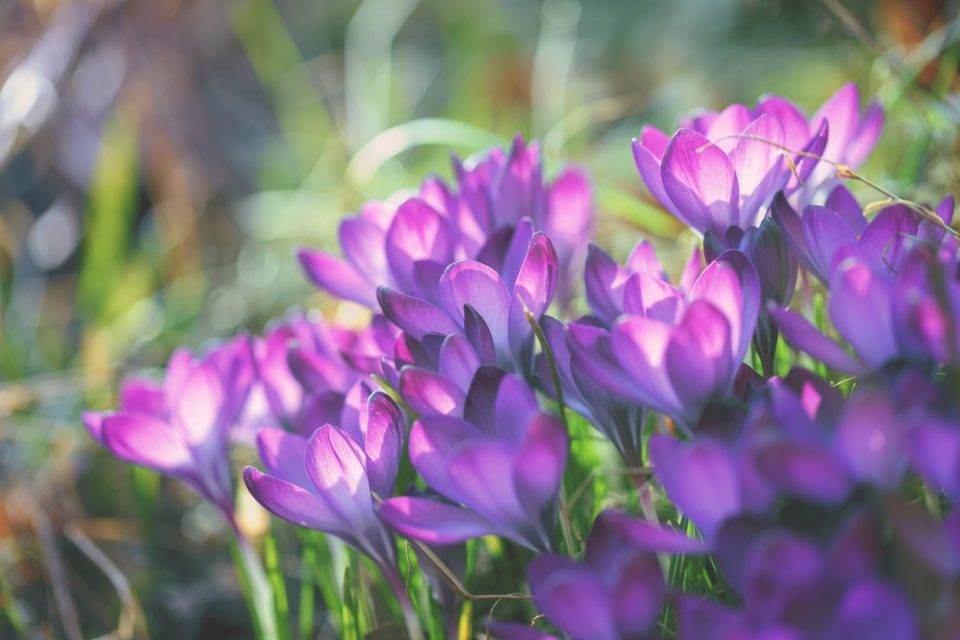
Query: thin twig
[56,572]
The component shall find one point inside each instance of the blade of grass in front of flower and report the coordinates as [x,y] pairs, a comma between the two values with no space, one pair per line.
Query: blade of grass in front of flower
[349,609]
[274,569]
[323,574]
[308,560]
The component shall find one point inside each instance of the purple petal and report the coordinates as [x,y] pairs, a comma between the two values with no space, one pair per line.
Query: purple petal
[336,465]
[93,421]
[870,441]
[643,259]
[382,444]
[804,471]
[283,454]
[604,280]
[842,112]
[866,137]
[699,359]
[825,233]
[573,598]
[433,522]
[413,315]
[640,346]
[514,407]
[142,396]
[730,284]
[846,206]
[699,477]
[728,123]
[518,190]
[482,474]
[337,277]
[476,284]
[458,360]
[537,278]
[418,233]
[638,595]
[516,252]
[935,452]
[649,536]
[701,182]
[293,503]
[430,394]
[884,237]
[434,442]
[540,464]
[648,153]
[570,213]
[759,166]
[147,441]
[873,609]
[796,129]
[803,336]
[362,242]
[651,297]
[861,309]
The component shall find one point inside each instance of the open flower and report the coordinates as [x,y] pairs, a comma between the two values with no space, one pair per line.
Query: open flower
[407,247]
[327,481]
[720,169]
[671,352]
[503,462]
[181,427]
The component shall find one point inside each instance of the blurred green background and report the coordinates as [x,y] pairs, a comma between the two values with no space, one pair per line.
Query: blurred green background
[160,159]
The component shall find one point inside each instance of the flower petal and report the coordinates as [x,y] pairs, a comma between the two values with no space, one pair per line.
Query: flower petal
[337,277]
[383,442]
[759,166]
[283,454]
[432,521]
[430,394]
[147,441]
[540,464]
[293,503]
[573,598]
[476,284]
[701,182]
[413,315]
[803,336]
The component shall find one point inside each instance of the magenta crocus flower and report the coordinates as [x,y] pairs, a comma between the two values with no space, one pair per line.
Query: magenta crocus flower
[487,307]
[181,426]
[822,235]
[503,462]
[717,171]
[882,316]
[617,591]
[671,352]
[305,368]
[407,248]
[327,481]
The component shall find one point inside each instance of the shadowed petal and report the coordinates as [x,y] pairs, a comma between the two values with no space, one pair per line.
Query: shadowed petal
[293,503]
[804,471]
[540,463]
[846,206]
[640,346]
[458,360]
[434,522]
[434,442]
[825,233]
[803,336]
[283,454]
[699,359]
[428,393]
[413,315]
[604,280]
[861,309]
[573,598]
[382,444]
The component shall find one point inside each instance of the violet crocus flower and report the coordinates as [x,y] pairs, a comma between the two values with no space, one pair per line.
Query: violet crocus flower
[503,462]
[719,171]
[486,306]
[793,588]
[181,426]
[327,481]
[617,591]
[670,352]
[407,247]
[305,368]
[822,235]
[883,317]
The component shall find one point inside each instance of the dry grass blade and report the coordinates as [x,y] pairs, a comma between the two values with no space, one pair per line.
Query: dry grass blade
[132,622]
[56,572]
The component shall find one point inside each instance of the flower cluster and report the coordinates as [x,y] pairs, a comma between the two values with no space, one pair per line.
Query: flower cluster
[802,487]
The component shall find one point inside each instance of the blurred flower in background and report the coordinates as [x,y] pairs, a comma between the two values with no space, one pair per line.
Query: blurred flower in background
[161,159]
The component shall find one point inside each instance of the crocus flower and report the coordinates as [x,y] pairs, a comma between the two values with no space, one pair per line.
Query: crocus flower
[327,481]
[487,307]
[305,368]
[503,462]
[181,426]
[407,247]
[822,235]
[617,591]
[793,588]
[720,170]
[670,352]
[883,317]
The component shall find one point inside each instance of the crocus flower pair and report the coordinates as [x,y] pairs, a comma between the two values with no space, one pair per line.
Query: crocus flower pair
[407,247]
[182,426]
[721,170]
[672,352]
[503,462]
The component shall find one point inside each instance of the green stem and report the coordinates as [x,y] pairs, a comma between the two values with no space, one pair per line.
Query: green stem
[257,590]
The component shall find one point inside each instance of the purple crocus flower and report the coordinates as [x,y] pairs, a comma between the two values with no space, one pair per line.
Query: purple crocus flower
[822,235]
[717,171]
[407,247]
[882,316]
[670,352]
[503,462]
[181,427]
[617,591]
[793,588]
[486,306]
[305,368]
[326,482]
